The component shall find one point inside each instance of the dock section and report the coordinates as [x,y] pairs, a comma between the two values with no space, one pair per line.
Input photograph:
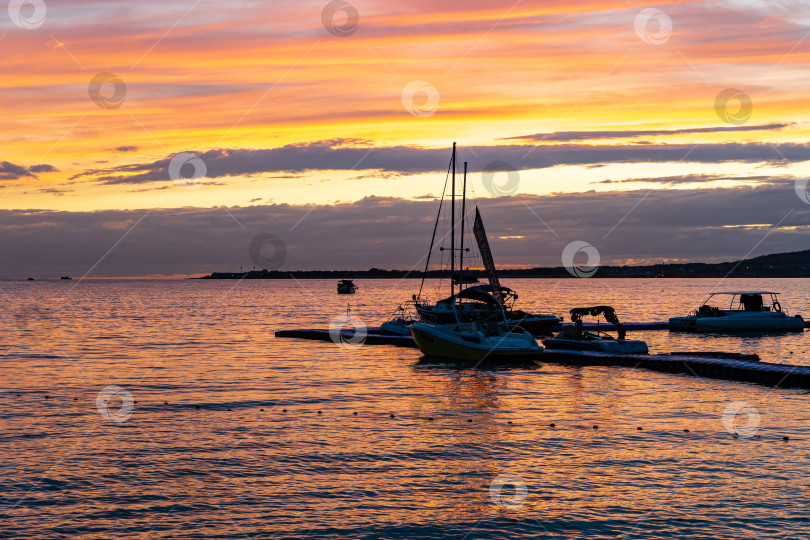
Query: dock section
[764,373]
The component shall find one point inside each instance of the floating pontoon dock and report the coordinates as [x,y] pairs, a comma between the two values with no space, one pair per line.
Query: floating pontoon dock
[764,373]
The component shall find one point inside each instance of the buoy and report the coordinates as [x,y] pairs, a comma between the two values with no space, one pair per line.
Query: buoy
[355,413]
[319,412]
[134,402]
[230,409]
[47,397]
[469,420]
[261,410]
[391,415]
[196,406]
[509,422]
[786,438]
[552,425]
[75,399]
[165,402]
[430,419]
[686,431]
[595,427]
[283,410]
[639,428]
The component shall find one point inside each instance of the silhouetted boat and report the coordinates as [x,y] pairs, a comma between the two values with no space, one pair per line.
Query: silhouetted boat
[444,311]
[487,338]
[747,312]
[346,286]
[578,340]
[66,277]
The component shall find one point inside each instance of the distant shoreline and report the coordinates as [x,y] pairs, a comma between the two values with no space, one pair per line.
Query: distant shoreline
[780,265]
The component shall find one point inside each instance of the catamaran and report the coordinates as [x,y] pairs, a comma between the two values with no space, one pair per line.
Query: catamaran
[747,311]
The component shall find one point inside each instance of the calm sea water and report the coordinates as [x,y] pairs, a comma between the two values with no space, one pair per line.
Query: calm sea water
[167,409]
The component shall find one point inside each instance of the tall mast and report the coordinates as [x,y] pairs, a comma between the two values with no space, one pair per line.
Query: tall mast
[463,213]
[453,226]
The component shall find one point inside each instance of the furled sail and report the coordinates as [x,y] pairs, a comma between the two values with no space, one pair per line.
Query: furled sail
[486,256]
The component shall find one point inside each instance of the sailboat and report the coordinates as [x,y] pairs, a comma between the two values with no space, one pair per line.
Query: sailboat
[452,327]
[444,311]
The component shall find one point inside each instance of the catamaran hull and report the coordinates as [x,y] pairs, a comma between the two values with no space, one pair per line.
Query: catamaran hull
[440,345]
[769,322]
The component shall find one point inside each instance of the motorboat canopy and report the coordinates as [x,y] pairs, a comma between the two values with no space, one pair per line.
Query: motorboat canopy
[595,311]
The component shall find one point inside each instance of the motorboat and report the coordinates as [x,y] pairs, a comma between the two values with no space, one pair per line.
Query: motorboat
[346,286]
[486,338]
[65,277]
[745,311]
[575,338]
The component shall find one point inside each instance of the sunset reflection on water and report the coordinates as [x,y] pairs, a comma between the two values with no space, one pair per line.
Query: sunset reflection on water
[231,469]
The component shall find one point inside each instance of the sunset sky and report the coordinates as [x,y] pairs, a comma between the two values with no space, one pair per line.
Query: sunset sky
[651,131]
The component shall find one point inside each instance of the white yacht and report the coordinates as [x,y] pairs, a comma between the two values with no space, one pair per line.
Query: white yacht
[741,311]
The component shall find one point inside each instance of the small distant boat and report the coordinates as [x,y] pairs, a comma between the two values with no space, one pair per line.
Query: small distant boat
[574,338]
[748,311]
[346,286]
[30,279]
[66,277]
[483,339]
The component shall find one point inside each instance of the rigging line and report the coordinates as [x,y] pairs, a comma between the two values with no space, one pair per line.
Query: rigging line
[435,226]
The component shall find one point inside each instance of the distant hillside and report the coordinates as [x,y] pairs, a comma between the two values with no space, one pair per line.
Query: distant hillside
[787,265]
